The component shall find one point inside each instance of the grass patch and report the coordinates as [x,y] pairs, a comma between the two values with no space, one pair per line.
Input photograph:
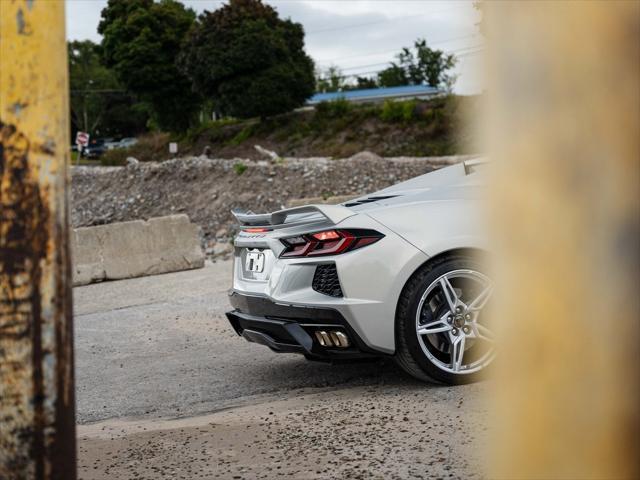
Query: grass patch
[393,111]
[150,147]
[241,136]
[338,129]
[239,168]
[333,109]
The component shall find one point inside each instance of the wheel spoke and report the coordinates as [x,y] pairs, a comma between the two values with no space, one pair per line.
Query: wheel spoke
[457,352]
[447,321]
[449,293]
[484,333]
[481,300]
[434,327]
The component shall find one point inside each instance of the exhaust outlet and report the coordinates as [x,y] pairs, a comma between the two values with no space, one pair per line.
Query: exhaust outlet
[332,338]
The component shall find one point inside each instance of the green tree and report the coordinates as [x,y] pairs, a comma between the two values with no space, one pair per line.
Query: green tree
[366,82]
[393,76]
[331,80]
[248,61]
[88,81]
[141,41]
[99,104]
[425,66]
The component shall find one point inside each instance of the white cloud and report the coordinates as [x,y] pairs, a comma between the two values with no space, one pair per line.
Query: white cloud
[356,35]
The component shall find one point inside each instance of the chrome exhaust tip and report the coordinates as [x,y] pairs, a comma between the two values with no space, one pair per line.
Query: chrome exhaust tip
[332,338]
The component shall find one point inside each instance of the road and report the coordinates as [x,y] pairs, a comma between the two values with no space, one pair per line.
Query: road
[165,388]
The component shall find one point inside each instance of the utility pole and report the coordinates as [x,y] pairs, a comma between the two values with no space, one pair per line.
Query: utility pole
[563,120]
[37,417]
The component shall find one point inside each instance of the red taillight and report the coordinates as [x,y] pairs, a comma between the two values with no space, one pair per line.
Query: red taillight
[328,235]
[256,230]
[328,242]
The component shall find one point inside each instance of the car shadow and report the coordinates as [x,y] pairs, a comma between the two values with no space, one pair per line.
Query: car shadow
[382,372]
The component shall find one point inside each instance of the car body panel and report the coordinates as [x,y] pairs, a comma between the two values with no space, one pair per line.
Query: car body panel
[419,218]
[371,277]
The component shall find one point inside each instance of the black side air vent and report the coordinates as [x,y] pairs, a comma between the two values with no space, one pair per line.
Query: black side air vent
[325,280]
[368,200]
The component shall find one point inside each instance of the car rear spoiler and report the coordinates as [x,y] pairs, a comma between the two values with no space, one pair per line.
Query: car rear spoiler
[469,165]
[333,213]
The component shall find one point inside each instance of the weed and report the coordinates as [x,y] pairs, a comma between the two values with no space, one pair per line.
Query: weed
[241,136]
[393,111]
[239,168]
[327,194]
[333,109]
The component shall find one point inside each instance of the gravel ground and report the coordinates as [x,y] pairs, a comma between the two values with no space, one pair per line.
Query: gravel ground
[207,189]
[166,389]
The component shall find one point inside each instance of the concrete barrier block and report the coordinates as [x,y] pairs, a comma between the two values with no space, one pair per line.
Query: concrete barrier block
[135,249]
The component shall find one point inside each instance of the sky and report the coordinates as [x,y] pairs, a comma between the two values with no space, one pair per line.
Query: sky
[359,36]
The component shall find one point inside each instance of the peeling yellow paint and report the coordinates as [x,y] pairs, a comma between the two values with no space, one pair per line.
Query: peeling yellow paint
[37,438]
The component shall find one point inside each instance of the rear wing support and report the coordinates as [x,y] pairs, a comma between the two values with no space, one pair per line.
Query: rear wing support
[333,213]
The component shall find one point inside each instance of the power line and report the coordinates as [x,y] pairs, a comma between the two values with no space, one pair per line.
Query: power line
[99,90]
[463,53]
[375,72]
[386,63]
[376,22]
[438,42]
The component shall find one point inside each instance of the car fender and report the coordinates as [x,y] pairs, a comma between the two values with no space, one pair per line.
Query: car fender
[437,226]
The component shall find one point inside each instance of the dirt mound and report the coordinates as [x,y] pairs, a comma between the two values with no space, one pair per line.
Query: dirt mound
[438,126]
[207,189]
[366,155]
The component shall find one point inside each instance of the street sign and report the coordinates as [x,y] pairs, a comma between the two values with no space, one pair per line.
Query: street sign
[173,147]
[82,139]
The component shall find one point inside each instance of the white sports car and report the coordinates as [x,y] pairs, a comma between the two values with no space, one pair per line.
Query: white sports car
[395,273]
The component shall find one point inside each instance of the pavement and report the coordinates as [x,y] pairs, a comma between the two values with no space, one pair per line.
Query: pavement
[166,389]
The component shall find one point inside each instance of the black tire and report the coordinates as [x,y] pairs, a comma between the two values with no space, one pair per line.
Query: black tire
[409,355]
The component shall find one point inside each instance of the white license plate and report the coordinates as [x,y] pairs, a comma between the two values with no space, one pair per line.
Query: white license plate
[254,262]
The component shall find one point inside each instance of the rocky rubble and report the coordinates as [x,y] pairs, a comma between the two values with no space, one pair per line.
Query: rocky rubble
[207,189]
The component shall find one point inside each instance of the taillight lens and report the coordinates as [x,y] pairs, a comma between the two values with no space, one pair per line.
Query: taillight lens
[328,242]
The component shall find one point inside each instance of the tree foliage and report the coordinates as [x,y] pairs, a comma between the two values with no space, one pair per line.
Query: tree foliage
[99,105]
[248,60]
[393,76]
[365,82]
[141,40]
[424,67]
[331,80]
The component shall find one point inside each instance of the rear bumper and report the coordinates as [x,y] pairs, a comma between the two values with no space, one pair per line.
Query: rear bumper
[288,328]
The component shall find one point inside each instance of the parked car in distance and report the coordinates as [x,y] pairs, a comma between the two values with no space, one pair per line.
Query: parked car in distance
[112,144]
[96,148]
[127,142]
[396,273]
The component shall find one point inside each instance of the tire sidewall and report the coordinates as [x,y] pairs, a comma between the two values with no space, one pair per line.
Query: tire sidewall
[407,325]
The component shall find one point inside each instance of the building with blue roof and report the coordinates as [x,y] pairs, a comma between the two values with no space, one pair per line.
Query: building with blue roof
[405,92]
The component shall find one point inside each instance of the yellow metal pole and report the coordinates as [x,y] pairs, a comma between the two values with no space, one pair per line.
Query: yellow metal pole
[37,425]
[564,111]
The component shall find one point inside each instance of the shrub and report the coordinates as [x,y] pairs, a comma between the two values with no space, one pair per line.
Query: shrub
[398,111]
[207,126]
[150,147]
[333,109]
[239,168]
[241,136]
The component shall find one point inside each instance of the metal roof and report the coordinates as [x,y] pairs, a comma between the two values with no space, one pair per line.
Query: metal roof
[375,94]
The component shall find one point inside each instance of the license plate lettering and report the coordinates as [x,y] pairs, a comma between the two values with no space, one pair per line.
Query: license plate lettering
[254,262]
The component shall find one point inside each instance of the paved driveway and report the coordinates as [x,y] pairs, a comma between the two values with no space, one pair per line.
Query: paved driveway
[157,364]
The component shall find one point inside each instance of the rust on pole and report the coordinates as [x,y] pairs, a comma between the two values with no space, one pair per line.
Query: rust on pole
[37,418]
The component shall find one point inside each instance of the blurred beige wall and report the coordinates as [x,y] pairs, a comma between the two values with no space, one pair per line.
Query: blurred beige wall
[563,118]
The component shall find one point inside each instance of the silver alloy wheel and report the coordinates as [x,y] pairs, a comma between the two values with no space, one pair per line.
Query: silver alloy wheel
[448,322]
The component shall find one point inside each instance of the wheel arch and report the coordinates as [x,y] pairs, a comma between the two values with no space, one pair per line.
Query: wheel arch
[457,251]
